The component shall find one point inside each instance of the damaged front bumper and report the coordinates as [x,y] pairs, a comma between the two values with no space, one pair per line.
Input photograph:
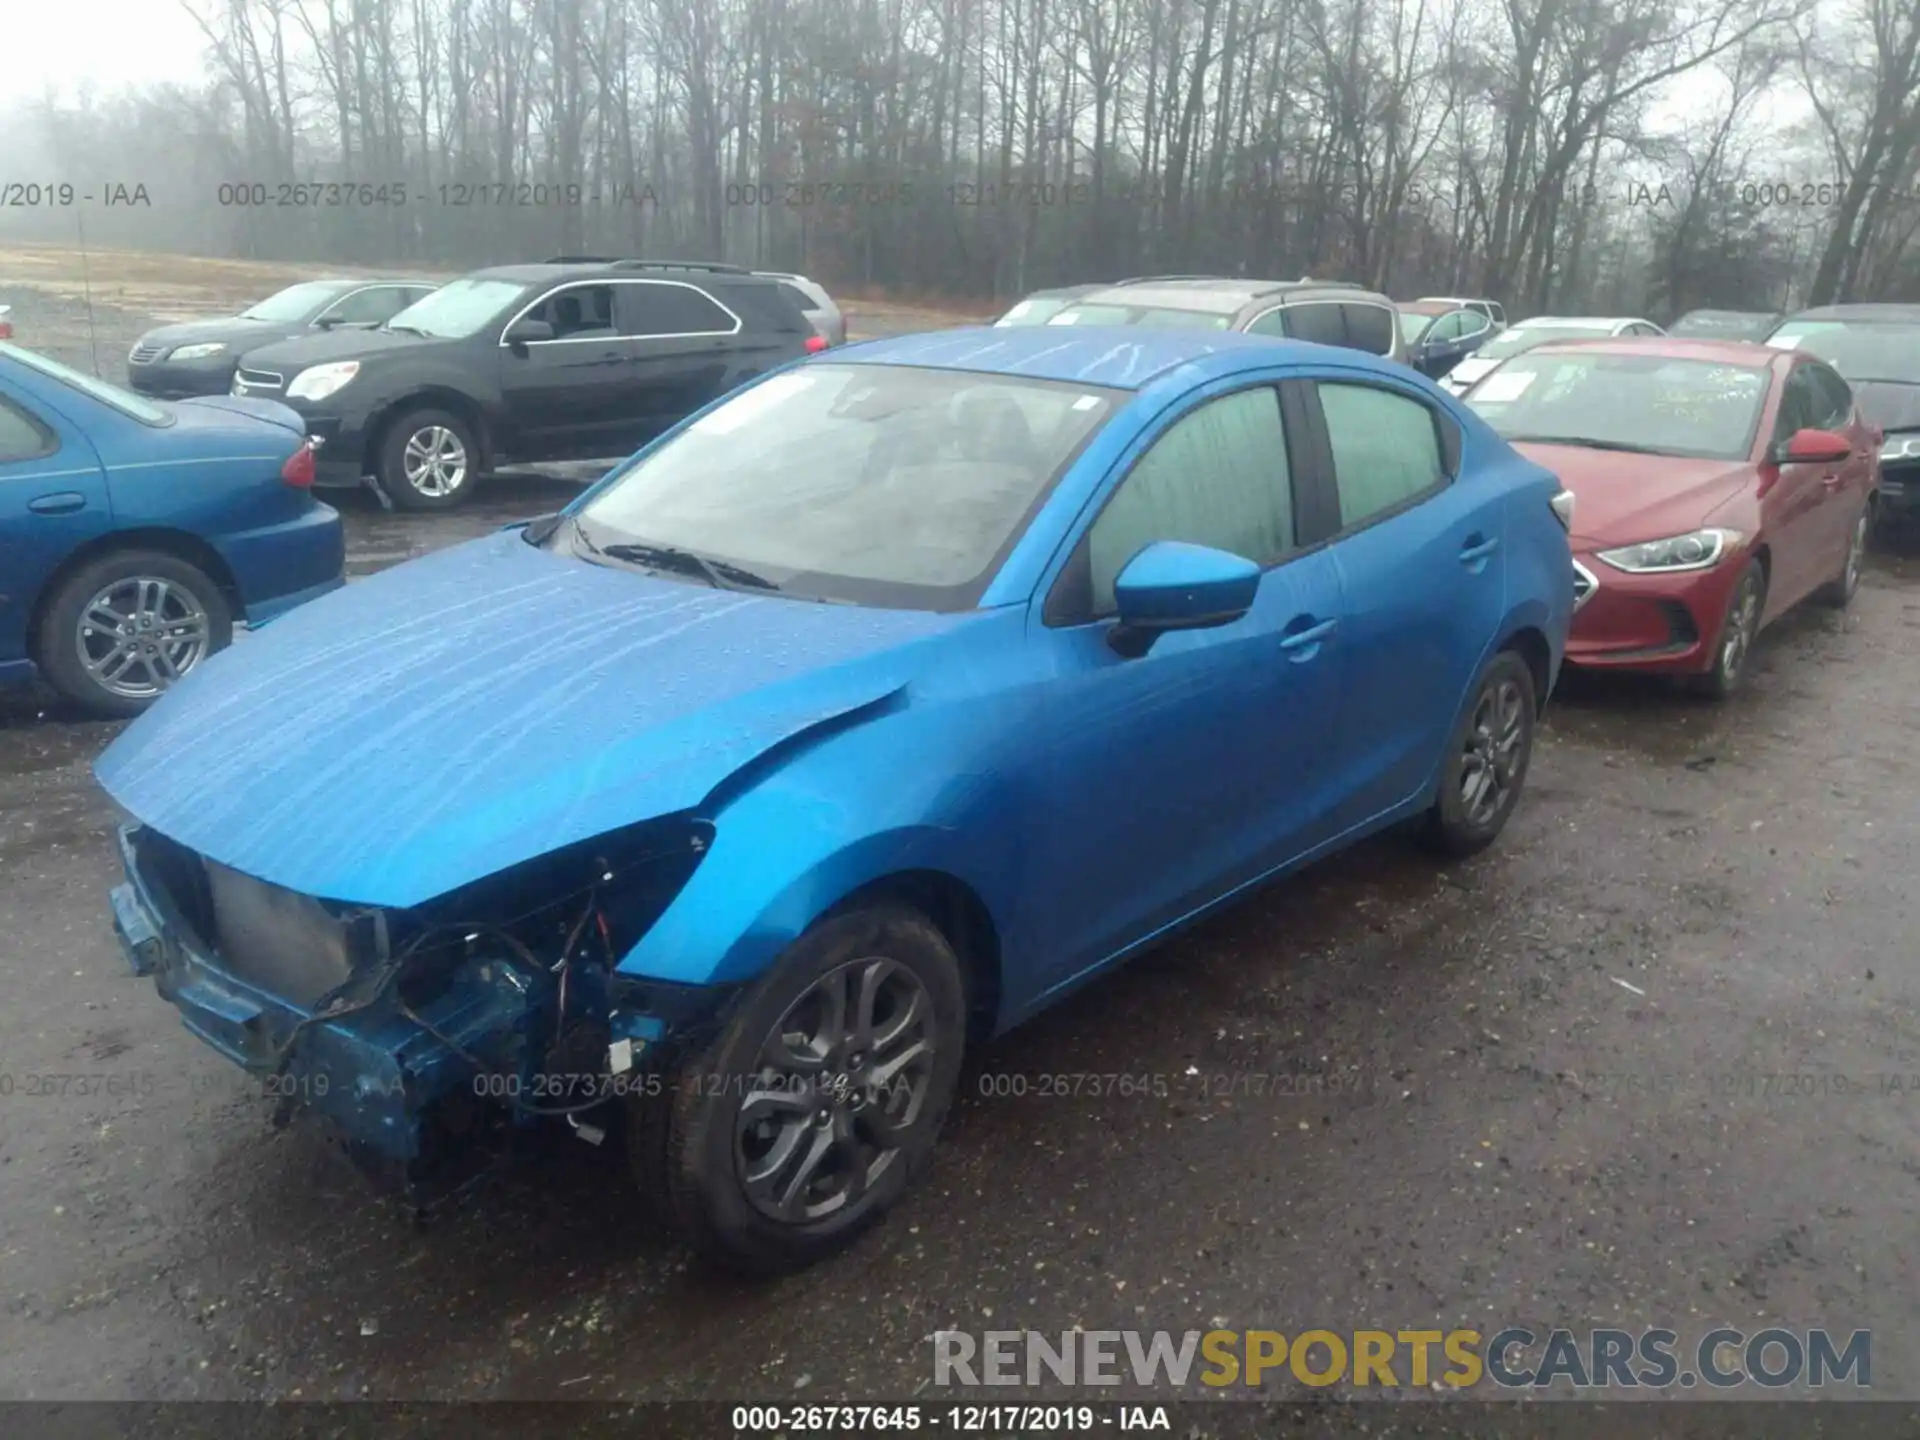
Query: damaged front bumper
[396,1077]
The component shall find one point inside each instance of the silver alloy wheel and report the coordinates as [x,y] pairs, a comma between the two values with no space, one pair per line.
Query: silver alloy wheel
[140,634]
[1856,554]
[1492,752]
[435,462]
[837,1088]
[1740,626]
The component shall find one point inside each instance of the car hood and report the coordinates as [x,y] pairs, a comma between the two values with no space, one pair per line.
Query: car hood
[1621,499]
[229,329]
[317,349]
[1888,405]
[459,714]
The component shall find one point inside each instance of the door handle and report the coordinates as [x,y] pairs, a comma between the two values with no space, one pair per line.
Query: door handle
[1478,549]
[64,502]
[1831,480]
[1303,643]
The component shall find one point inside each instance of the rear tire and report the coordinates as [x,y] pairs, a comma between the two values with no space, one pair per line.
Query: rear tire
[1839,591]
[124,628]
[798,1127]
[1487,760]
[428,460]
[1740,627]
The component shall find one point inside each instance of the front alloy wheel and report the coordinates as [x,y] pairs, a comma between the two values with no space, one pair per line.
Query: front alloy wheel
[1738,631]
[818,1103]
[428,460]
[839,1085]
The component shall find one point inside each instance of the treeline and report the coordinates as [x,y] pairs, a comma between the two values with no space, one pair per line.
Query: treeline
[1523,148]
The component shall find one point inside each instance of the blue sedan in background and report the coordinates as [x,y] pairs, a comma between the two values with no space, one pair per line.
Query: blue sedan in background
[857,719]
[135,532]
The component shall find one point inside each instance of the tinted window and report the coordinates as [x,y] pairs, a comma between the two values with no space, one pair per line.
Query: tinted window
[1800,404]
[761,306]
[21,436]
[1217,477]
[663,309]
[1386,449]
[579,311]
[1370,328]
[799,297]
[369,307]
[1321,321]
[1835,397]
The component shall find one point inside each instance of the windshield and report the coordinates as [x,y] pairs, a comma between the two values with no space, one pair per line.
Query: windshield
[459,309]
[1035,310]
[125,401]
[1519,340]
[883,485]
[1859,350]
[1646,403]
[294,303]
[1152,317]
[1722,325]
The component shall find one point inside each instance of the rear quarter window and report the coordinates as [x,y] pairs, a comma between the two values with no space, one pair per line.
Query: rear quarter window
[1319,321]
[778,306]
[1370,328]
[22,437]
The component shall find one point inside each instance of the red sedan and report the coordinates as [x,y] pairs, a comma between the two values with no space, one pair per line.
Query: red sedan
[1716,485]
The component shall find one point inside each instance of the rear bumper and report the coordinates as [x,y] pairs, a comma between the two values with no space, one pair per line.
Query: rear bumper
[1663,624]
[277,567]
[375,1074]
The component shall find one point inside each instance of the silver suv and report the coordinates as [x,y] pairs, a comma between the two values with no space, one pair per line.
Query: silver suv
[1327,312]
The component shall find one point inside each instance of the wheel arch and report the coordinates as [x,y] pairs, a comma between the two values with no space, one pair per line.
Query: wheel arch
[429,397]
[181,544]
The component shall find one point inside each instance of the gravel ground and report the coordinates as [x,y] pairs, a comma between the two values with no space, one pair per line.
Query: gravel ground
[1652,1060]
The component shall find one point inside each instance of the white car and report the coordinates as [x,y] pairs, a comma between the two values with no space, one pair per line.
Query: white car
[1516,339]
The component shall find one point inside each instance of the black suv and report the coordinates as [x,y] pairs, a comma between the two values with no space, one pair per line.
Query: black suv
[198,357]
[579,357]
[1876,349]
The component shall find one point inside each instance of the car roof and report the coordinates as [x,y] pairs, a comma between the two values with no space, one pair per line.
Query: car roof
[1213,295]
[1728,352]
[1455,300]
[1548,322]
[1883,313]
[1121,357]
[1427,307]
[1741,314]
[546,271]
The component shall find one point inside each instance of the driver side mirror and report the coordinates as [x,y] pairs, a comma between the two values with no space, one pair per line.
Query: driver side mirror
[1812,447]
[1172,585]
[528,332]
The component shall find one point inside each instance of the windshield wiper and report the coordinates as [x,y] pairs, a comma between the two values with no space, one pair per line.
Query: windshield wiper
[404,329]
[1585,444]
[719,573]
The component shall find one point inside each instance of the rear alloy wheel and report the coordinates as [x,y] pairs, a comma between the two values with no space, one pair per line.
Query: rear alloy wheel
[428,460]
[1839,592]
[1738,631]
[1486,761]
[120,631]
[819,1103]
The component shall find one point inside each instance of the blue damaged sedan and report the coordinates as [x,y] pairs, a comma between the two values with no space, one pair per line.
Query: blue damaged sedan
[853,721]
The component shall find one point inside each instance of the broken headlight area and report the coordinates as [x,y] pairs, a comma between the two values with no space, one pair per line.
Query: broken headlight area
[426,1035]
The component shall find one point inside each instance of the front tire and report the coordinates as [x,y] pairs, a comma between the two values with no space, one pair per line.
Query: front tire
[1738,630]
[123,629]
[818,1105]
[1487,760]
[428,460]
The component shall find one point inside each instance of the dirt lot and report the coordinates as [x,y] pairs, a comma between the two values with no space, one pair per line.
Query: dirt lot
[1653,1060]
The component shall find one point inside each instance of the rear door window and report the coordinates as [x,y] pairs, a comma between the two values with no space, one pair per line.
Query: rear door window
[368,307]
[651,309]
[1370,328]
[1833,396]
[1322,322]
[1386,449]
